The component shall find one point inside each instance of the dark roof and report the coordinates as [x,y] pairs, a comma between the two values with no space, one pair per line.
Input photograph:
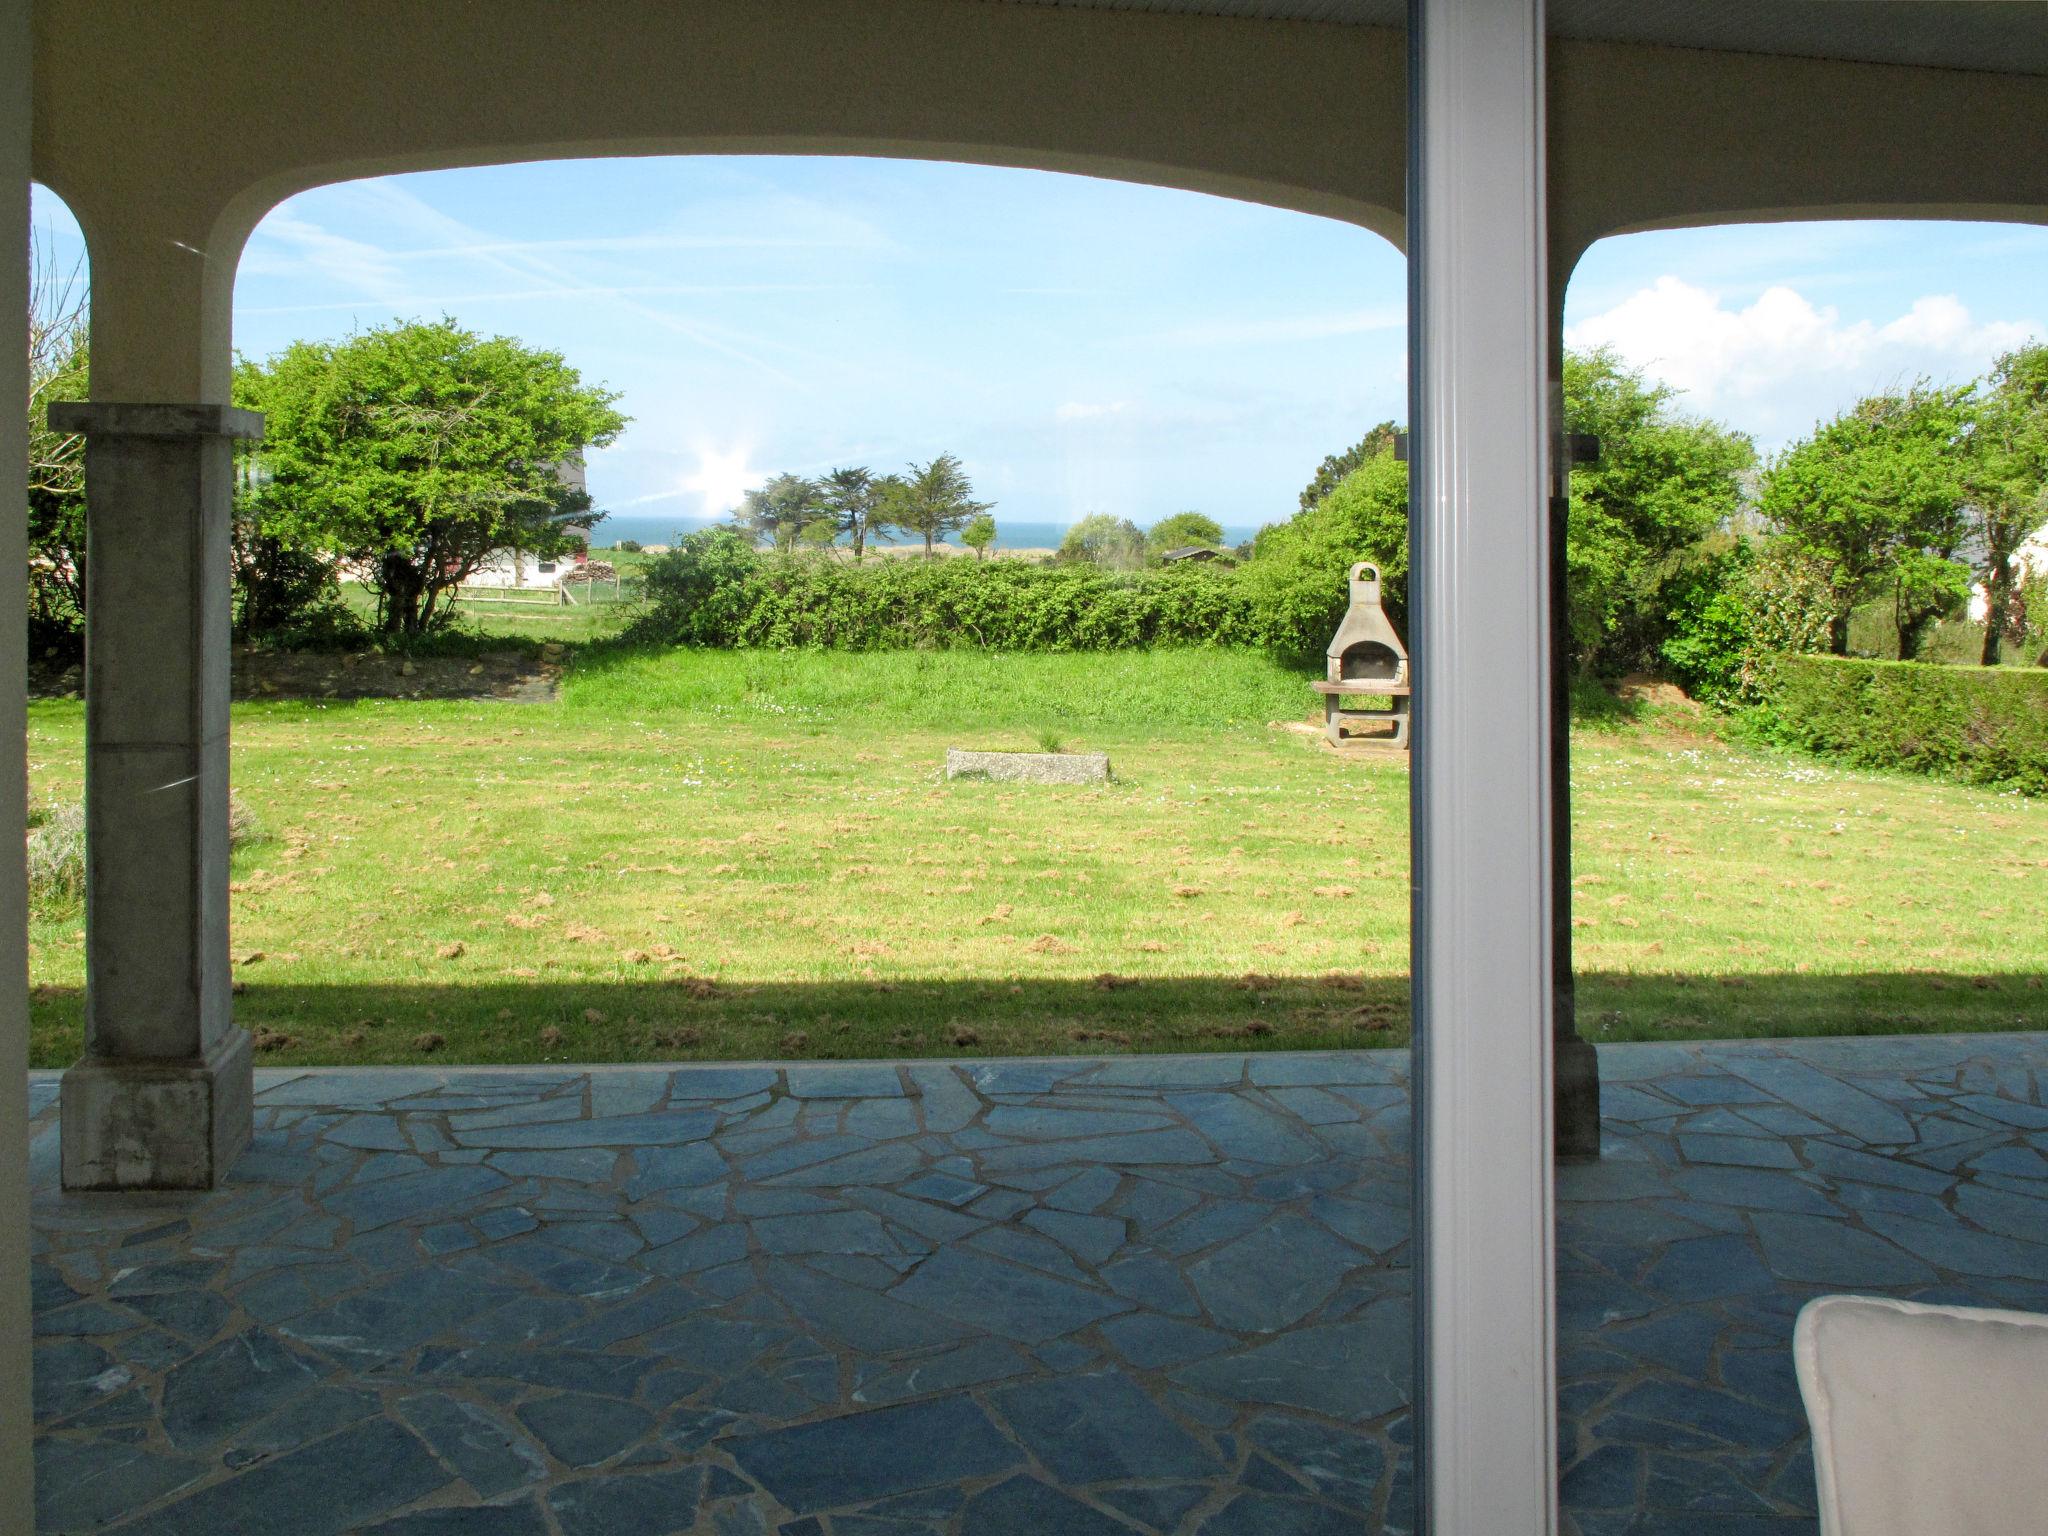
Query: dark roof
[2002,36]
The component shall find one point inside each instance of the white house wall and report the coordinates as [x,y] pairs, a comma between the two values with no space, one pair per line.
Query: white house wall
[2029,563]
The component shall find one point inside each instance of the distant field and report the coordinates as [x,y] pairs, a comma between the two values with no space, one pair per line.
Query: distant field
[595,616]
[1950,642]
[745,855]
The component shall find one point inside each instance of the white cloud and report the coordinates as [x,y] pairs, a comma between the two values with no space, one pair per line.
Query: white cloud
[1780,363]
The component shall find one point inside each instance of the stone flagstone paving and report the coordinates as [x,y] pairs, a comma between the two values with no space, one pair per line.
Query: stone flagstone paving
[1145,1295]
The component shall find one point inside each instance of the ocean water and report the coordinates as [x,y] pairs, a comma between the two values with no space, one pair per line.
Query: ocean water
[667,530]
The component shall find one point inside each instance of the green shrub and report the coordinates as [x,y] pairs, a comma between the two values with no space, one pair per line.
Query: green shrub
[1730,610]
[1297,583]
[56,858]
[1709,624]
[1982,725]
[715,590]
[698,591]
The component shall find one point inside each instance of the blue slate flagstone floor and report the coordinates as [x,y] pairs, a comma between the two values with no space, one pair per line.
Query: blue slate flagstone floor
[1096,1298]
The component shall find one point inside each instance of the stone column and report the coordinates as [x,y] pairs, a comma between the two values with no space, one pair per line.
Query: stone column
[162,1097]
[17,1419]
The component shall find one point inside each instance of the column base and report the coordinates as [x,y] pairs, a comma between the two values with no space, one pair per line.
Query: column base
[132,1123]
[1576,1105]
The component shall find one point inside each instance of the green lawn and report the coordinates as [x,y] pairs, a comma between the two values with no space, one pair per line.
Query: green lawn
[704,856]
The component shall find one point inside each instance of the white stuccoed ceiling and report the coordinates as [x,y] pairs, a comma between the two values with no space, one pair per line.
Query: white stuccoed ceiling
[2004,36]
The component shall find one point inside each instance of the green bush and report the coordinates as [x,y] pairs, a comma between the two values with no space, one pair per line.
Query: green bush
[1729,609]
[1982,725]
[716,590]
[1709,625]
[1297,583]
[56,858]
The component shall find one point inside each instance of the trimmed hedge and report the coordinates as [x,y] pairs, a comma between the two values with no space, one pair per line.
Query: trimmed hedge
[1982,725]
[715,591]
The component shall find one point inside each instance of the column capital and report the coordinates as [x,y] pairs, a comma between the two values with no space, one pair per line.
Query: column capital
[122,418]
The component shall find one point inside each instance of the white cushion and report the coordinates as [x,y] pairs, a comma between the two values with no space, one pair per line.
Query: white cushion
[1927,1421]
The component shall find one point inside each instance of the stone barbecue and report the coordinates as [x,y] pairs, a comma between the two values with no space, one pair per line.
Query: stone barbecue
[1366,660]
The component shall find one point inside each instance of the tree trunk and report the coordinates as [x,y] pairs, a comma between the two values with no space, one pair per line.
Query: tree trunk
[1913,635]
[402,586]
[860,538]
[927,544]
[1998,594]
[2001,587]
[1838,633]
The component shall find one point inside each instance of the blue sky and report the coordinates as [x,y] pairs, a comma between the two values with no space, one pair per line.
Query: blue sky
[1083,345]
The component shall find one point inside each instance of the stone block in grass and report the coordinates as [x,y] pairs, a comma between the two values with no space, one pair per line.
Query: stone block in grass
[1028,767]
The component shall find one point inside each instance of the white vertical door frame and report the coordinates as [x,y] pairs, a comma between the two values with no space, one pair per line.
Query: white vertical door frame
[17,1502]
[1479,504]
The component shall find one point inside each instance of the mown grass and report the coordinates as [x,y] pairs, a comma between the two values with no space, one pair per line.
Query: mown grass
[1129,694]
[721,856]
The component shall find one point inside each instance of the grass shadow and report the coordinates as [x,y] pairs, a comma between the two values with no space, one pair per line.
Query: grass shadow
[693,1020]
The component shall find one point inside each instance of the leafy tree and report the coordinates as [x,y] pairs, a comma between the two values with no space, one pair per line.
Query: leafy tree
[1338,466]
[979,533]
[853,496]
[282,574]
[819,534]
[1663,482]
[415,451]
[2008,487]
[1877,496]
[932,500]
[1099,539]
[58,369]
[1183,529]
[782,511]
[1298,574]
